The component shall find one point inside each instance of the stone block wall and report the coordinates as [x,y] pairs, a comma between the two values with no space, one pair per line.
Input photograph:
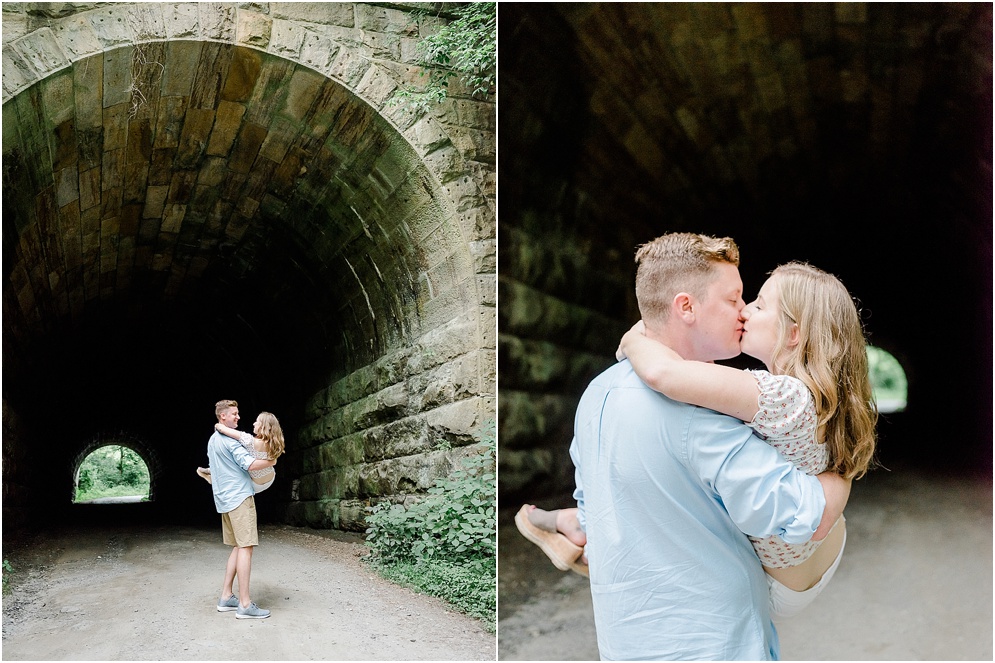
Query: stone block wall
[564,306]
[391,428]
[156,145]
[17,471]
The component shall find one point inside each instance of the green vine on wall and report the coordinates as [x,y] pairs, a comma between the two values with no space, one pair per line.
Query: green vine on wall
[464,48]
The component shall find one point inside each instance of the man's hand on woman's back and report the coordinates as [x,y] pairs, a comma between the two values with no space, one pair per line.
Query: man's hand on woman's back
[837,491]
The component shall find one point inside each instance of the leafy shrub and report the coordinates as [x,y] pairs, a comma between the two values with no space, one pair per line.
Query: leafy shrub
[465,47]
[454,521]
[445,543]
[85,484]
[469,587]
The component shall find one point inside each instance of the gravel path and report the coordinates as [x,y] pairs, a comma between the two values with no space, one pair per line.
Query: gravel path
[119,593]
[915,582]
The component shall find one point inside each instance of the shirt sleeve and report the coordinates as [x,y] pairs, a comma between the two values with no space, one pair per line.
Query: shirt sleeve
[238,452]
[786,410]
[578,485]
[762,492]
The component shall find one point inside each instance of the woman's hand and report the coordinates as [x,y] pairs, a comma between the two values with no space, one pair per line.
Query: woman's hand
[638,328]
[217,426]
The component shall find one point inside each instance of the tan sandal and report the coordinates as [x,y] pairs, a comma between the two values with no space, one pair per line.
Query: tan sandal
[564,554]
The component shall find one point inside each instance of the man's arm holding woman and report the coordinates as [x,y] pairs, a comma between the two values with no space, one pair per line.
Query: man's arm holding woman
[763,493]
[720,388]
[239,452]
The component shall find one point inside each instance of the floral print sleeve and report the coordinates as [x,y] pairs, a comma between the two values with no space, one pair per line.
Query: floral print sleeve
[786,418]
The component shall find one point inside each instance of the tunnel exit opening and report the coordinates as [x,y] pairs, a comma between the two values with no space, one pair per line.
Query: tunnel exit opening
[114,470]
[891,387]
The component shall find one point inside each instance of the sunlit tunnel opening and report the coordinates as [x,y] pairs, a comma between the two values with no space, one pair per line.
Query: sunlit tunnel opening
[112,474]
[891,389]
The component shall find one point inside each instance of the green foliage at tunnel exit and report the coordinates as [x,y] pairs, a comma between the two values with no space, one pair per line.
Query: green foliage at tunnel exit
[891,388]
[466,48]
[112,471]
[445,544]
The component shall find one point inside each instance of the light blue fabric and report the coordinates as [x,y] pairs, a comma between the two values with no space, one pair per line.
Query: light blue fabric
[666,491]
[230,479]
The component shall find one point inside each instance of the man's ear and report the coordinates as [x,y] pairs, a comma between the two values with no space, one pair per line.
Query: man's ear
[683,307]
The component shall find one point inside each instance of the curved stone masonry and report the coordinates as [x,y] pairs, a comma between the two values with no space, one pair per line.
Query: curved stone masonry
[815,131]
[171,142]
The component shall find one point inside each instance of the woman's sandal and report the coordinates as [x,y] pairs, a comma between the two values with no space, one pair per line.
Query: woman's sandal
[564,554]
[205,474]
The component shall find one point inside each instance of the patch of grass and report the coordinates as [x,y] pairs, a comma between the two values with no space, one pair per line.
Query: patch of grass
[445,544]
[470,587]
[112,491]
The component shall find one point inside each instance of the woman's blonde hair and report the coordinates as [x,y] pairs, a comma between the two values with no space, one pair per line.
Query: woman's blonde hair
[831,359]
[271,434]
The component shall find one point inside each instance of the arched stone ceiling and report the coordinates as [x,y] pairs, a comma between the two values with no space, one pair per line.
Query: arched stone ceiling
[209,198]
[712,105]
[252,175]
[856,136]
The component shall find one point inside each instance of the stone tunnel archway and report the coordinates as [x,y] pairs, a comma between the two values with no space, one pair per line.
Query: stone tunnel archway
[209,201]
[856,136]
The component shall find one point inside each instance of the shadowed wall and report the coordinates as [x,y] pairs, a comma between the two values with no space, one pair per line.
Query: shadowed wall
[855,136]
[212,200]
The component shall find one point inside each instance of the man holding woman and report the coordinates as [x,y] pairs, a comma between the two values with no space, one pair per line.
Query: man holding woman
[666,490]
[232,486]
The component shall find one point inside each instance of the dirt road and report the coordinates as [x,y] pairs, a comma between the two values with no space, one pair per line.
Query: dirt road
[915,582]
[149,594]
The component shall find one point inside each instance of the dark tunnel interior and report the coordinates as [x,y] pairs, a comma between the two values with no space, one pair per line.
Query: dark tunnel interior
[856,138]
[224,241]
[154,369]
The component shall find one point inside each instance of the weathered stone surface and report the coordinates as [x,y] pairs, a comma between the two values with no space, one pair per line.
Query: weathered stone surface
[146,21]
[348,67]
[227,123]
[111,25]
[376,86]
[194,136]
[254,29]
[329,13]
[181,60]
[181,20]
[217,20]
[287,38]
[76,37]
[318,51]
[171,155]
[384,19]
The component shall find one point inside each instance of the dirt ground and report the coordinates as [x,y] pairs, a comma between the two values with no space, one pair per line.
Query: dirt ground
[115,593]
[915,582]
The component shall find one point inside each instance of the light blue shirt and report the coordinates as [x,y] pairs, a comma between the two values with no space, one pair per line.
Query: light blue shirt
[230,479]
[666,491]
